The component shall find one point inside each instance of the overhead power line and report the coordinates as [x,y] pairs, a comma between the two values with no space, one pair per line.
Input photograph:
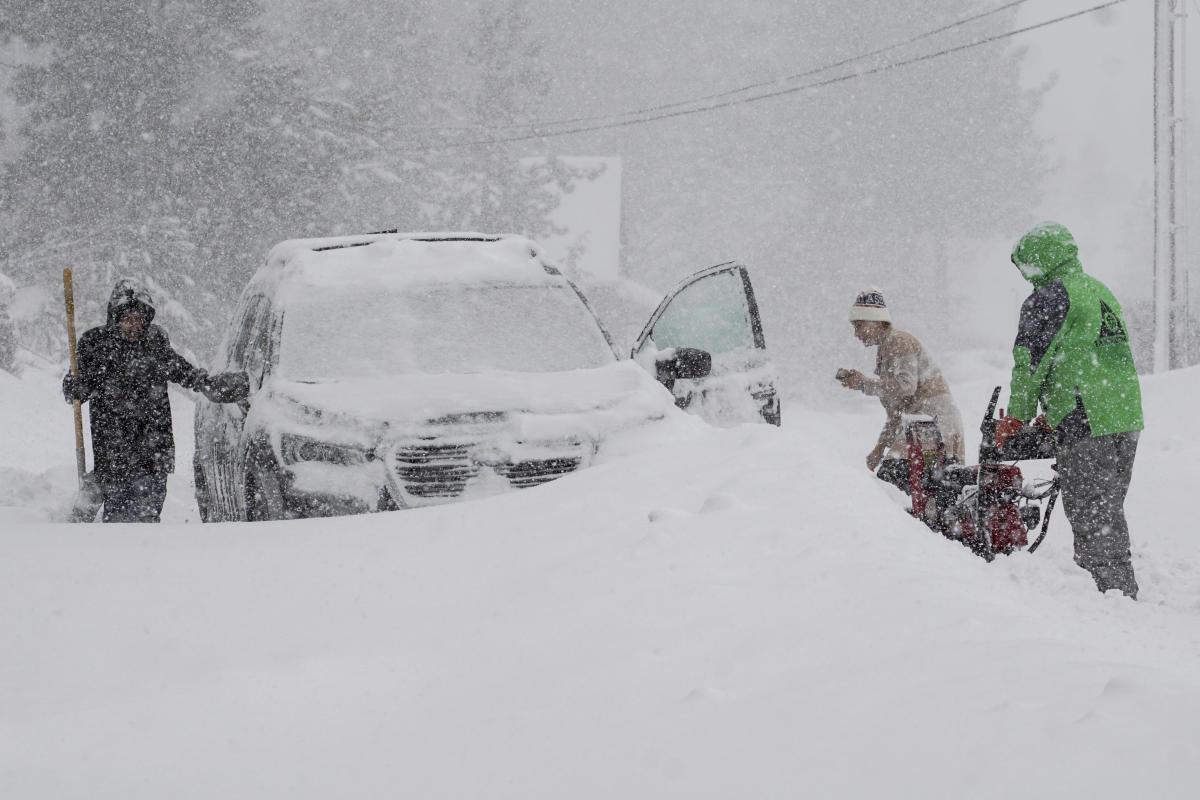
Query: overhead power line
[684,108]
[775,81]
[730,92]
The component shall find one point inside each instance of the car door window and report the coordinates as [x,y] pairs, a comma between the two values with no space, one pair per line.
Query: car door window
[710,314]
[247,330]
[258,348]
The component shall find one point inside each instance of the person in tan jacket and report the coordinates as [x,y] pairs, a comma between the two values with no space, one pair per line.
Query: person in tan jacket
[907,381]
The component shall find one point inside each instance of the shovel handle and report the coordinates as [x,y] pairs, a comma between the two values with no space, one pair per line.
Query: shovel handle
[69,297]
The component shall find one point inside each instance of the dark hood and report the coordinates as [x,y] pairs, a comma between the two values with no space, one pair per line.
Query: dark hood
[129,293]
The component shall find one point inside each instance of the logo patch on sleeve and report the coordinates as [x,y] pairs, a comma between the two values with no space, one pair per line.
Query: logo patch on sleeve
[1111,329]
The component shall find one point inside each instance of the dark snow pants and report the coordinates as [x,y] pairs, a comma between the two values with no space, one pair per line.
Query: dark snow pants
[140,500]
[1094,475]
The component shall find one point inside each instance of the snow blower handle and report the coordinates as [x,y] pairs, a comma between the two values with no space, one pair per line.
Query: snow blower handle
[1054,489]
[991,412]
[987,444]
[69,297]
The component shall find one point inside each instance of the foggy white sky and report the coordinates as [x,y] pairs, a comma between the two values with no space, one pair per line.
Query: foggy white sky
[1096,120]
[617,55]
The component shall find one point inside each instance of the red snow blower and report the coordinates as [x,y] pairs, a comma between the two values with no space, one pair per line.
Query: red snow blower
[987,507]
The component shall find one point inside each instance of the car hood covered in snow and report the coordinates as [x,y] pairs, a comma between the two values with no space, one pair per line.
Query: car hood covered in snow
[619,393]
[434,438]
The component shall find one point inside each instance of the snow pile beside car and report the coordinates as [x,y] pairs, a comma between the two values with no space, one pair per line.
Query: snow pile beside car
[734,613]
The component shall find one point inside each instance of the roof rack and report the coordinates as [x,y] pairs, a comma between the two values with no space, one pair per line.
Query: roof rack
[426,238]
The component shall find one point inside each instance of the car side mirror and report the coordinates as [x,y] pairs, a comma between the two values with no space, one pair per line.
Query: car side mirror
[688,363]
[692,363]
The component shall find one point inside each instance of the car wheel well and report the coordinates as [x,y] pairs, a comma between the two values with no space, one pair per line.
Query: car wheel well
[201,491]
[264,492]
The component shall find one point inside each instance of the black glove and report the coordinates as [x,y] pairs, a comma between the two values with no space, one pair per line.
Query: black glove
[228,387]
[195,380]
[74,389]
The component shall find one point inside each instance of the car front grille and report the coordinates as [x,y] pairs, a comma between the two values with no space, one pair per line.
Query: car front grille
[443,470]
[524,474]
[435,470]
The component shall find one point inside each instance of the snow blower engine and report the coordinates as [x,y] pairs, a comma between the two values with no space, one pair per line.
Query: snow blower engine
[987,508]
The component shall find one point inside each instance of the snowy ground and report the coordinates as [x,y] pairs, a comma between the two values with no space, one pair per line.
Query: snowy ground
[738,613]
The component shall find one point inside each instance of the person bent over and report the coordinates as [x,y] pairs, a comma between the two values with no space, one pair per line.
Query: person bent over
[124,368]
[907,381]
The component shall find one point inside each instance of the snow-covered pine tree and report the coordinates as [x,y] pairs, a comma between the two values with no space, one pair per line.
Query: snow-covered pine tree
[490,184]
[158,141]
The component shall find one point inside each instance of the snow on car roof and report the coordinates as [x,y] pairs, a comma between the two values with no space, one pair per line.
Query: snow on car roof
[400,259]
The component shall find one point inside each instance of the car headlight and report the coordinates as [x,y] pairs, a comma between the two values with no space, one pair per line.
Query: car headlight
[295,449]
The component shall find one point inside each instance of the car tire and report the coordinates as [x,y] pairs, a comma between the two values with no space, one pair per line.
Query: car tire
[203,501]
[264,492]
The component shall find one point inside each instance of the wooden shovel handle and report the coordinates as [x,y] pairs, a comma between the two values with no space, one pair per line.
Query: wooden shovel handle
[69,296]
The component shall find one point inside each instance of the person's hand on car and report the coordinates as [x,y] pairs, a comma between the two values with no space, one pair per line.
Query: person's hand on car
[227,387]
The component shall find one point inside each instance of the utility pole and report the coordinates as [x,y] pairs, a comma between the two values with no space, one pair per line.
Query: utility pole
[1170,277]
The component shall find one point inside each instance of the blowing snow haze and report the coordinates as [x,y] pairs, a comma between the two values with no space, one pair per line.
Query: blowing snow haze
[863,181]
[702,611]
[185,141]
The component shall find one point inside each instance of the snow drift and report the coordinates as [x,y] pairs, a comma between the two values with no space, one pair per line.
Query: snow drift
[715,613]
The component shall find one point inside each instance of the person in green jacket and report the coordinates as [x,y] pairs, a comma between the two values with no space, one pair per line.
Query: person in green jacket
[1072,357]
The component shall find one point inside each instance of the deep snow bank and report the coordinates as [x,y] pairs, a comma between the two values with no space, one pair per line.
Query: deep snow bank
[737,613]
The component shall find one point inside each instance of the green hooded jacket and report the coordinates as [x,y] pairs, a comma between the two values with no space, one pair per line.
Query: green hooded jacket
[1072,350]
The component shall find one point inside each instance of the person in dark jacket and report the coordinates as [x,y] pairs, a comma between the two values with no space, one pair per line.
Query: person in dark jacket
[1072,359]
[124,368]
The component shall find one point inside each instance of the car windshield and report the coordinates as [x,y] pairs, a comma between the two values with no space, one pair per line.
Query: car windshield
[359,333]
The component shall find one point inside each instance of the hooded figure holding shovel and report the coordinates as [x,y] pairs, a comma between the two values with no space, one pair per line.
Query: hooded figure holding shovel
[123,370]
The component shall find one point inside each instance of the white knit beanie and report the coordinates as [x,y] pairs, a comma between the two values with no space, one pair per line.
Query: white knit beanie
[870,306]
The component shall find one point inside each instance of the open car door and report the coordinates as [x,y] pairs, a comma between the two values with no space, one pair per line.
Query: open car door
[705,343]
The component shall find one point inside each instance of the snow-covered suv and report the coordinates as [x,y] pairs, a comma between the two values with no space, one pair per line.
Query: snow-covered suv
[395,370]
